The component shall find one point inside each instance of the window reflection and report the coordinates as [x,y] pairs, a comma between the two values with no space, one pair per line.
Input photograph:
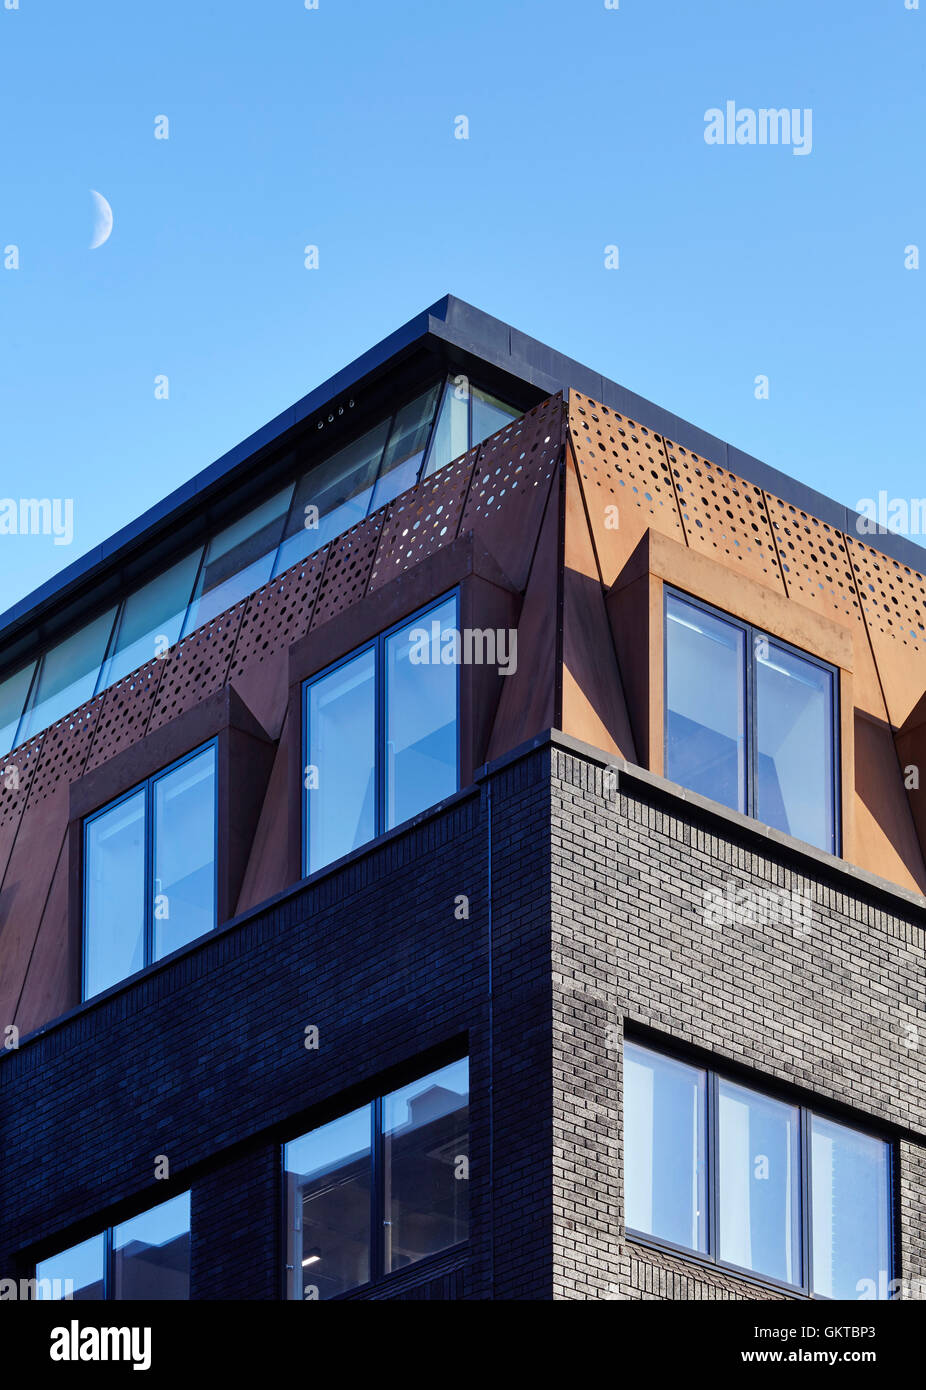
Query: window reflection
[850,1206]
[426,1166]
[238,560]
[184,853]
[705,703]
[341,758]
[67,676]
[114,925]
[76,1273]
[665,1148]
[328,1185]
[151,619]
[13,693]
[794,729]
[421,717]
[759,1183]
[151,1253]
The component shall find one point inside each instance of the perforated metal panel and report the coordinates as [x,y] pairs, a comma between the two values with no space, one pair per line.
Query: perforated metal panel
[280,612]
[893,596]
[814,561]
[724,516]
[423,519]
[127,707]
[624,465]
[347,572]
[64,751]
[197,666]
[510,485]
[16,773]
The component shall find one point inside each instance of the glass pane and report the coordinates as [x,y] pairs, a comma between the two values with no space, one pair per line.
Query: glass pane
[328,1178]
[421,715]
[151,619]
[238,560]
[76,1273]
[151,1253]
[759,1183]
[665,1167]
[340,745]
[489,415]
[13,693]
[184,853]
[451,433]
[794,713]
[332,497]
[850,1212]
[426,1165]
[114,929]
[705,703]
[405,450]
[68,675]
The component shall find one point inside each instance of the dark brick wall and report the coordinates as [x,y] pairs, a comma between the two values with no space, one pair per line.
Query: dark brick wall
[586,895]
[828,998]
[202,1059]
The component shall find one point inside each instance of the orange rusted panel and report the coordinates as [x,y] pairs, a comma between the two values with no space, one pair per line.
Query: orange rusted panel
[886,841]
[423,519]
[626,482]
[197,666]
[894,603]
[594,709]
[127,707]
[510,485]
[267,868]
[724,517]
[52,983]
[347,569]
[527,705]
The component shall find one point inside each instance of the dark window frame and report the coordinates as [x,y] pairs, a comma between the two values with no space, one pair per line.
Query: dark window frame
[710,1257]
[148,785]
[752,634]
[378,1272]
[109,1254]
[377,645]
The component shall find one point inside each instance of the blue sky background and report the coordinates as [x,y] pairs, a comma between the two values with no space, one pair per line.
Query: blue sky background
[335,127]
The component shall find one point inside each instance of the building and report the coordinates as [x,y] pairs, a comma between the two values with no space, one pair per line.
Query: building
[467,844]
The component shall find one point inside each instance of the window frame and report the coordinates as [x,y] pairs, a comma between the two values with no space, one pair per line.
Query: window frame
[377,645]
[377,1263]
[109,1259]
[710,1258]
[751,752]
[148,784]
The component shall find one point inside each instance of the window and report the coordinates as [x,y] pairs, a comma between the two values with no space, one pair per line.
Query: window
[145,1258]
[751,722]
[332,496]
[381,734]
[753,1182]
[150,871]
[380,1188]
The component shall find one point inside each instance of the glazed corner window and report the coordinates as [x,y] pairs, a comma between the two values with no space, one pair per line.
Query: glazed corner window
[729,1173]
[380,1188]
[751,722]
[380,736]
[145,1258]
[150,871]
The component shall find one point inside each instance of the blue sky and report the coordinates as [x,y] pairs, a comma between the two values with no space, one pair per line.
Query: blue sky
[335,127]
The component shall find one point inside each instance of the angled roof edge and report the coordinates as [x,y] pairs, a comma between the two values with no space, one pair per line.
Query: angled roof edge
[466,329]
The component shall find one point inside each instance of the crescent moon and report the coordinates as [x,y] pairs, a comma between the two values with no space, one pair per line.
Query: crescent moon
[103,223]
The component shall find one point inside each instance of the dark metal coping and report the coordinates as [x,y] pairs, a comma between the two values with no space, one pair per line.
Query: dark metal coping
[450,331]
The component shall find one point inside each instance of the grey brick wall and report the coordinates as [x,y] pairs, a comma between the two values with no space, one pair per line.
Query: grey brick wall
[825,998]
